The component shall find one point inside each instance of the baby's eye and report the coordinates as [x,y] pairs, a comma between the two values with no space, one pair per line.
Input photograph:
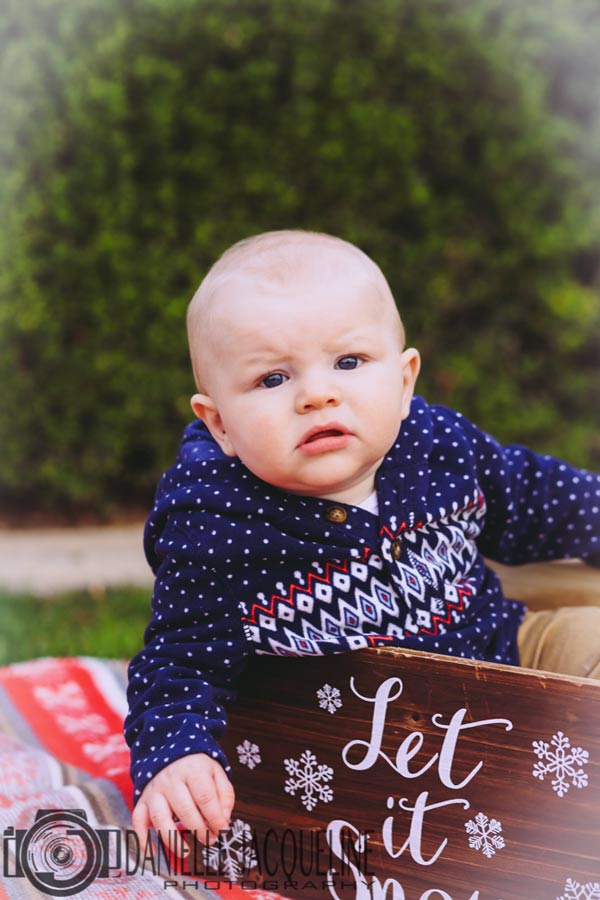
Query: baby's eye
[348,362]
[273,380]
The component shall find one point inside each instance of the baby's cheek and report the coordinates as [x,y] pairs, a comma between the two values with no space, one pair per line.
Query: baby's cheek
[262,452]
[390,423]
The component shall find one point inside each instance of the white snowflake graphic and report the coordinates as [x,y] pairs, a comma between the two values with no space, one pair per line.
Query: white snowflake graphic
[249,754]
[485,834]
[329,698]
[233,854]
[307,776]
[561,760]
[576,891]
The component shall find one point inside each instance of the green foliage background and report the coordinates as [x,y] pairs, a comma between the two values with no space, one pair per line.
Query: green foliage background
[456,141]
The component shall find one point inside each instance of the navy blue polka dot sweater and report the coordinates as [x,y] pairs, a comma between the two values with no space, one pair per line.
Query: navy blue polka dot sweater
[242,568]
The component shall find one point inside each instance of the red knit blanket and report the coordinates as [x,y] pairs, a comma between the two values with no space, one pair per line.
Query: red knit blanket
[65,792]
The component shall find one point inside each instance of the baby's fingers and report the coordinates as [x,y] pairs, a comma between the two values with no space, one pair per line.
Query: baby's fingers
[206,796]
[160,815]
[225,791]
[190,817]
[140,820]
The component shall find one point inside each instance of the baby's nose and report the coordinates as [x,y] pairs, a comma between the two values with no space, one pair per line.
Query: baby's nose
[317,396]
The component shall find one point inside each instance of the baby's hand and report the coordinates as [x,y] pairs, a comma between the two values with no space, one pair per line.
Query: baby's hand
[195,789]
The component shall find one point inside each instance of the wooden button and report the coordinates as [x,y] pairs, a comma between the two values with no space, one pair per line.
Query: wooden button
[336,514]
[396,548]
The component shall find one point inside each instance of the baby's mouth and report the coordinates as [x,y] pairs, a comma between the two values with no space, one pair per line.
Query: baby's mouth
[323,438]
[327,432]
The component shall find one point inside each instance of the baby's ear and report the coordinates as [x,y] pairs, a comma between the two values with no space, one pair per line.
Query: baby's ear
[205,408]
[411,366]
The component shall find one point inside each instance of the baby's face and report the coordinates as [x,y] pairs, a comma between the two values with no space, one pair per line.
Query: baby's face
[307,382]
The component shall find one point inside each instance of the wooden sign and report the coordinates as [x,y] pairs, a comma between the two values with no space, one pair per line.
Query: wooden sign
[393,775]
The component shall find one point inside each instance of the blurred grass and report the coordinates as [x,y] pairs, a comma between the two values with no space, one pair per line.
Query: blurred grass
[108,624]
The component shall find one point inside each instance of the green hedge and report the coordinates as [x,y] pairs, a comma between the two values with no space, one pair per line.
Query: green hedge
[457,142]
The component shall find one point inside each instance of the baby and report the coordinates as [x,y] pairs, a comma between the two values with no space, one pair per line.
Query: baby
[319,507]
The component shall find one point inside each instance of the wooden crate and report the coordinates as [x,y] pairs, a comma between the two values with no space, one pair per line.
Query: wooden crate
[439,779]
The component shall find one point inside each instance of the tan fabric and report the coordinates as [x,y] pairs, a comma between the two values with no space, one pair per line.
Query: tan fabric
[562,640]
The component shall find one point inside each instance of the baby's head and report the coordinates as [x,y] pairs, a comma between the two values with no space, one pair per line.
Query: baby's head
[298,354]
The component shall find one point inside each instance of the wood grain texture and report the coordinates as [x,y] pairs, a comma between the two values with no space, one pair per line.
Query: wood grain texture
[547,838]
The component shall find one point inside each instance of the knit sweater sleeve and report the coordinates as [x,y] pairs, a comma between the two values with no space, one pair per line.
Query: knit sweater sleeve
[194,653]
[538,507]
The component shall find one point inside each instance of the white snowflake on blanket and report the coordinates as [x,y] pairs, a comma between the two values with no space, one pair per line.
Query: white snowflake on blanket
[233,854]
[249,754]
[265,895]
[561,760]
[485,835]
[576,891]
[308,775]
[329,698]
